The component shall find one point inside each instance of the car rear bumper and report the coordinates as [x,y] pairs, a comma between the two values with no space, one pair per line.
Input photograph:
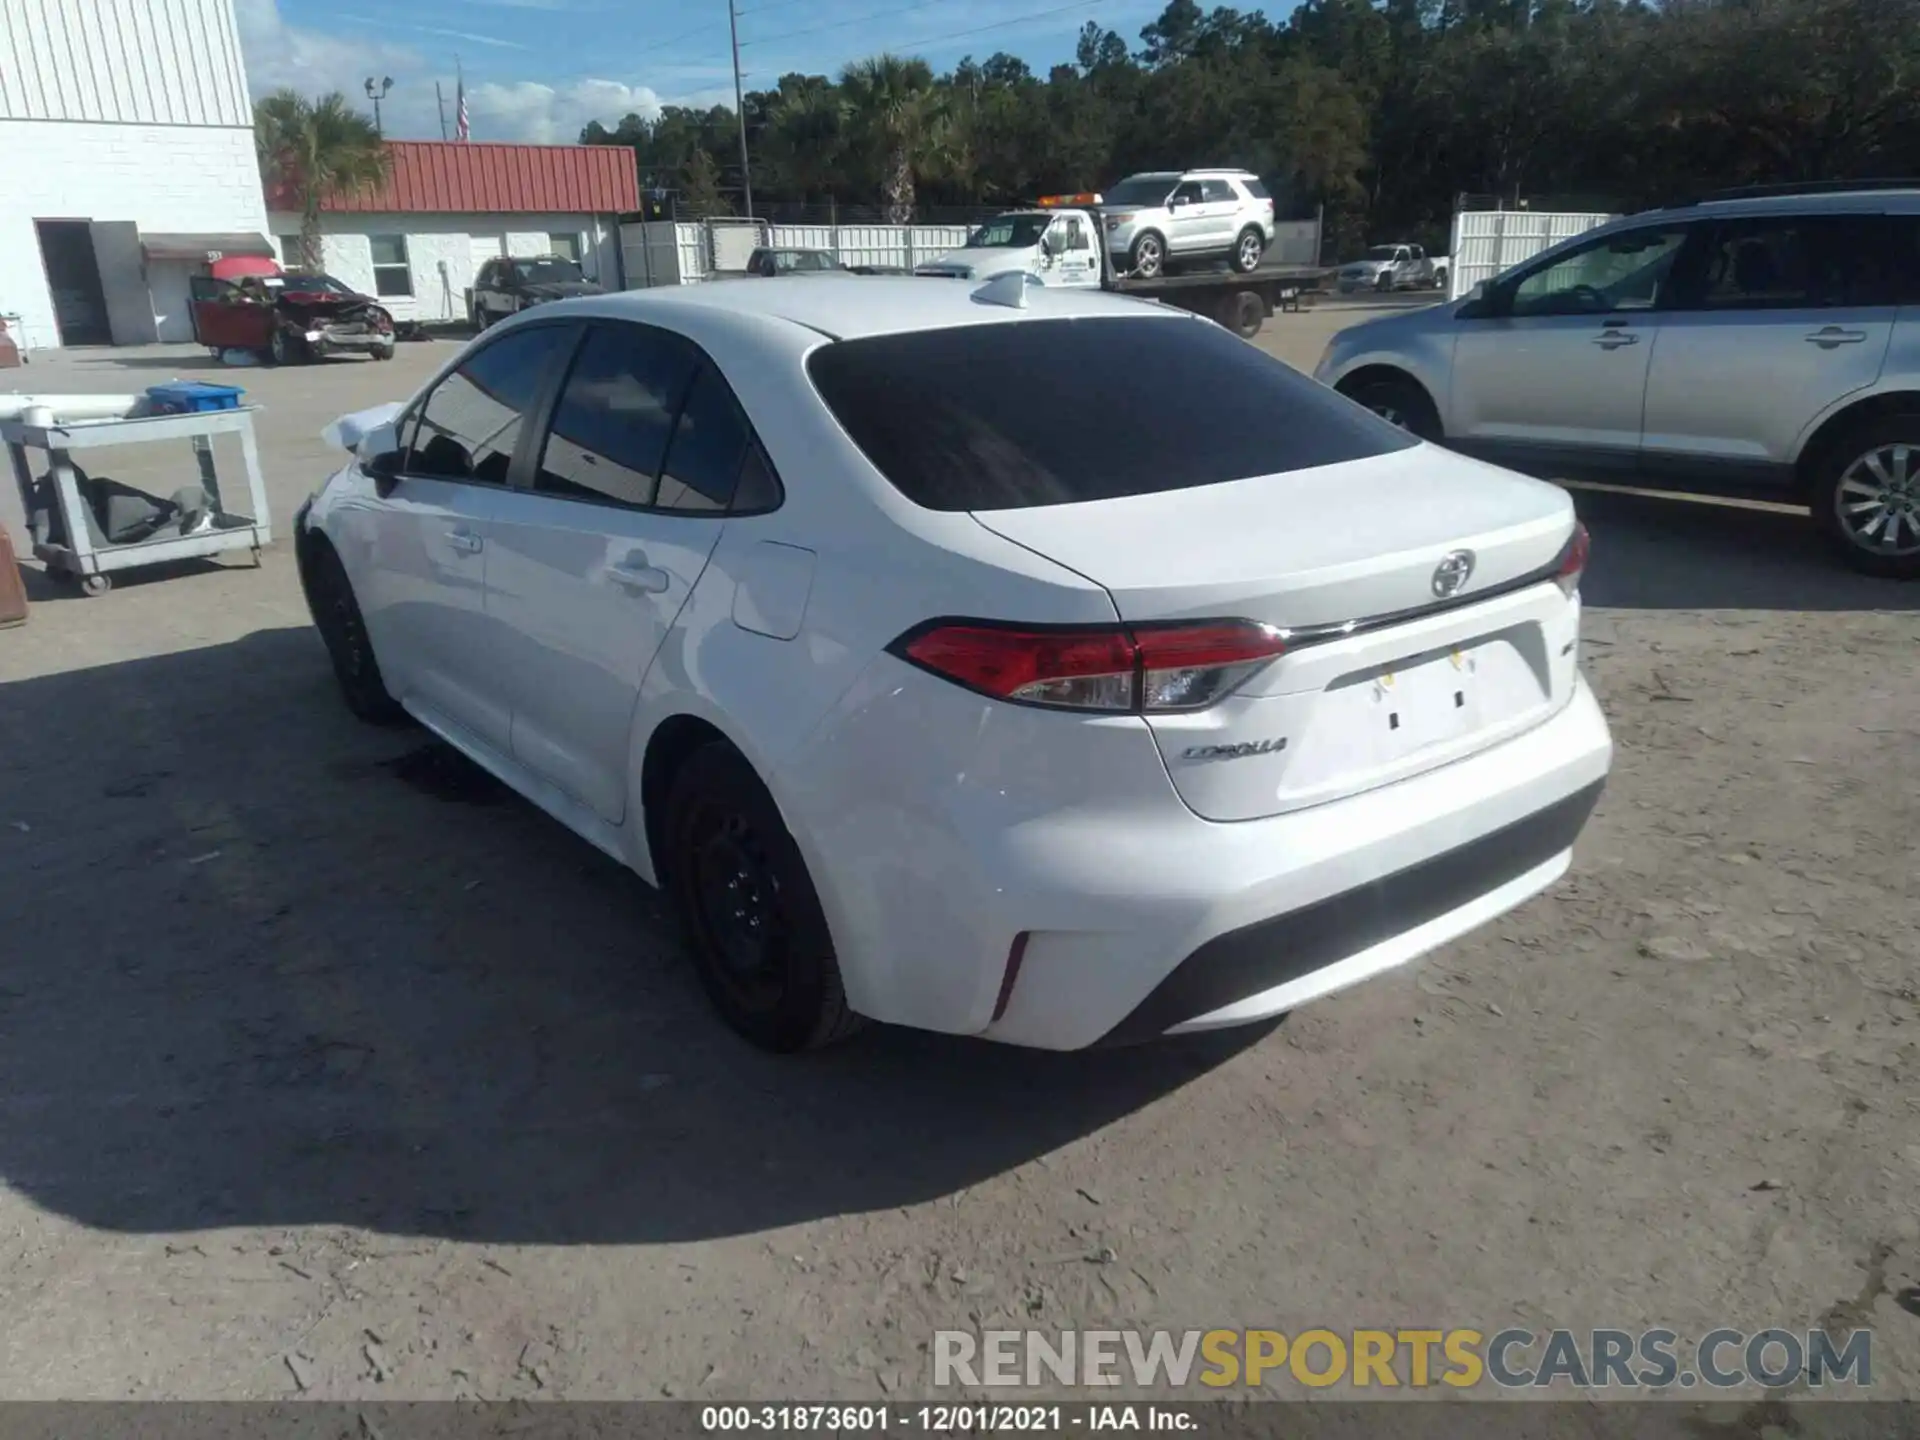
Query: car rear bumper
[990,882]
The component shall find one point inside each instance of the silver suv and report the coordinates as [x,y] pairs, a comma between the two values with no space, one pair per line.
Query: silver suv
[1163,216]
[1760,342]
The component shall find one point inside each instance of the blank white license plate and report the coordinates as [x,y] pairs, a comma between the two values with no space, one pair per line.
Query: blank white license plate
[1377,720]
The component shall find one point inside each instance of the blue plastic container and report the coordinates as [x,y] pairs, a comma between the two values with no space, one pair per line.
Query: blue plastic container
[187,397]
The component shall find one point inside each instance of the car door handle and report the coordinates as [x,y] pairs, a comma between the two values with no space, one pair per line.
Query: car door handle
[465,541]
[1614,339]
[634,573]
[1833,335]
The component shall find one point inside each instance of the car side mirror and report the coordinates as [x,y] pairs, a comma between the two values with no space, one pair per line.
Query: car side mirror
[1480,303]
[381,457]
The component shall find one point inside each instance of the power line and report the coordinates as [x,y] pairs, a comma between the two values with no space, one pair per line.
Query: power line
[1000,25]
[843,24]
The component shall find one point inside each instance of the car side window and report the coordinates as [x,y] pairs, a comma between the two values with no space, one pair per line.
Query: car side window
[709,443]
[1216,190]
[1625,271]
[470,424]
[1188,192]
[615,415]
[1796,263]
[1903,258]
[757,489]
[1077,234]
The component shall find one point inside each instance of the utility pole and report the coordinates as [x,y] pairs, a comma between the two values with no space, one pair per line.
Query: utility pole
[377,95]
[739,105]
[440,99]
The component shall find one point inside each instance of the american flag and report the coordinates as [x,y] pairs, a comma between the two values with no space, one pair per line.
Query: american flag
[461,130]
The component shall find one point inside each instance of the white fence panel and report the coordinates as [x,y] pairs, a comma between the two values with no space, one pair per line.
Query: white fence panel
[661,252]
[903,246]
[734,242]
[1487,243]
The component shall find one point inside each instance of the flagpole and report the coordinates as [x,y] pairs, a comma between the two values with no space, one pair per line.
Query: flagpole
[440,99]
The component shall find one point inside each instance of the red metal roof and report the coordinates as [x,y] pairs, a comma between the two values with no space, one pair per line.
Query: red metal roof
[464,176]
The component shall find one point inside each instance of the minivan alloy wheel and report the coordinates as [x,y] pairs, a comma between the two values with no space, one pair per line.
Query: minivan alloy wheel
[1877,502]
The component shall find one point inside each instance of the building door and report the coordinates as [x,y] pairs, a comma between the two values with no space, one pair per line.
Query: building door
[73,276]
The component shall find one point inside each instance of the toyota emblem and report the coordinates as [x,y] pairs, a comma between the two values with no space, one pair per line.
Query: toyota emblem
[1450,576]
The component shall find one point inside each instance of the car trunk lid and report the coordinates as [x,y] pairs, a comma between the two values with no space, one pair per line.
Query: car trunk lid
[1404,580]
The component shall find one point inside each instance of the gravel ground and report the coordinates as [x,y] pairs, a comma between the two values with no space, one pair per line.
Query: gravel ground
[326,1070]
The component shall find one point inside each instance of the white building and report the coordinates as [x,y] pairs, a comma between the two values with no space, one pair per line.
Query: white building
[128,142]
[450,206]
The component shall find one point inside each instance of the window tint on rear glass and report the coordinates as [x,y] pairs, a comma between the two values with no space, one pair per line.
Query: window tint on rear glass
[1256,189]
[1051,412]
[471,421]
[615,413]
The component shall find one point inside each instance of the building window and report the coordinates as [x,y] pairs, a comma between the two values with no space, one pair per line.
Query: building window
[566,245]
[391,274]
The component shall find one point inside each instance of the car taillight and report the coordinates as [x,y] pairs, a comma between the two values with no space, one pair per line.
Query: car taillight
[1573,561]
[1110,669]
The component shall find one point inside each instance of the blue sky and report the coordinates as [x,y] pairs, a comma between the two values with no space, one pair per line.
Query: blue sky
[539,69]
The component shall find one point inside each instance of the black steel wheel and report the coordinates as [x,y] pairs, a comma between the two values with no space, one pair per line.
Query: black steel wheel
[336,614]
[759,938]
[1399,402]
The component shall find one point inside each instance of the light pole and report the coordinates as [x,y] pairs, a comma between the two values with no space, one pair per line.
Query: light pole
[377,94]
[739,106]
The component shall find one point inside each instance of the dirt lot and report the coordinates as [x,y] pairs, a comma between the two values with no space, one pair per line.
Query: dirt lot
[325,1070]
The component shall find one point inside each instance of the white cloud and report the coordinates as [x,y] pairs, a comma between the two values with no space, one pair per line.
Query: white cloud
[314,62]
[553,115]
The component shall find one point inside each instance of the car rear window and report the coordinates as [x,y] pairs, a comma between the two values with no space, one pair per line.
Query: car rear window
[1256,189]
[1053,412]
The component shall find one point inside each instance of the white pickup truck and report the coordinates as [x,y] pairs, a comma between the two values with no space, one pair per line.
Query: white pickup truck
[1394,267]
[1058,241]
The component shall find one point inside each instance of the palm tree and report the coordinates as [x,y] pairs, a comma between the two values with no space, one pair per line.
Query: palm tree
[898,117]
[806,134]
[313,151]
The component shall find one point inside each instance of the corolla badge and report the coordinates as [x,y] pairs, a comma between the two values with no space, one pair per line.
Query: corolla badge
[1450,576]
[1234,752]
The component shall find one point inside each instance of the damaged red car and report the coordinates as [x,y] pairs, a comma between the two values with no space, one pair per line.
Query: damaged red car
[285,316]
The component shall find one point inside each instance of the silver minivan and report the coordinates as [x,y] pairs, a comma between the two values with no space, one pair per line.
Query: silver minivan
[1765,342]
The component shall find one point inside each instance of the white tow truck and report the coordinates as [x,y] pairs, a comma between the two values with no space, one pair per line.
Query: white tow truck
[1058,239]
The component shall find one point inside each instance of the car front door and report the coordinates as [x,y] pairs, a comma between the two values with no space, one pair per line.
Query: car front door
[1776,319]
[1075,263]
[483,287]
[222,320]
[1552,367]
[1186,218]
[599,552]
[422,587]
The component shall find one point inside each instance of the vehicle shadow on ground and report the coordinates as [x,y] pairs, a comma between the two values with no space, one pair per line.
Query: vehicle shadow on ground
[261,965]
[1660,552]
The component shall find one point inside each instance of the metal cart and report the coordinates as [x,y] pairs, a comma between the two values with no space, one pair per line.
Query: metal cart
[92,563]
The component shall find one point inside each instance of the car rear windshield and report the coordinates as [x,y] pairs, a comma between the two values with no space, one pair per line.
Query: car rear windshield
[1028,413]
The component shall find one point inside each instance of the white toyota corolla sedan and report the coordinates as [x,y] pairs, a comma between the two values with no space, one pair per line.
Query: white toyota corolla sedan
[1026,663]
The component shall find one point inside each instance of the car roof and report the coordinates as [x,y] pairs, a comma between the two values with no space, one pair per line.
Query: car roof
[1869,200]
[874,305]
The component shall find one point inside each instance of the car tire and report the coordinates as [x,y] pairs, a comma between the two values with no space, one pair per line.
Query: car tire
[1860,482]
[383,352]
[1399,402]
[1244,313]
[1248,251]
[1147,257]
[1385,283]
[754,924]
[336,615]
